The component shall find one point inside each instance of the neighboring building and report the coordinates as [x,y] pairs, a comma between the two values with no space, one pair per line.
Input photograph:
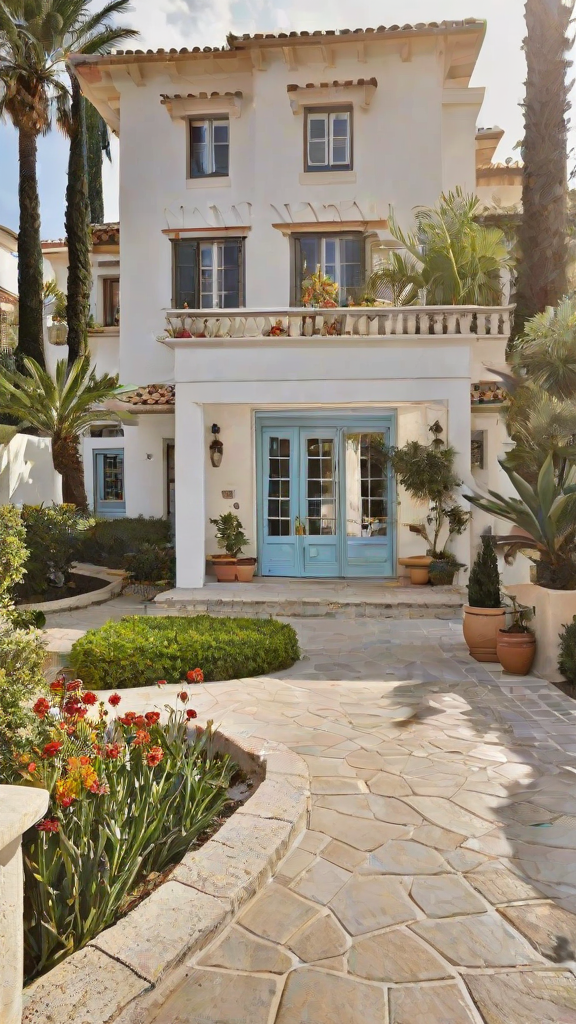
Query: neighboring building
[241,169]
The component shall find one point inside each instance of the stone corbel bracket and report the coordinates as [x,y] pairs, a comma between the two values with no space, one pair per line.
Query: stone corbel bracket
[302,96]
[180,107]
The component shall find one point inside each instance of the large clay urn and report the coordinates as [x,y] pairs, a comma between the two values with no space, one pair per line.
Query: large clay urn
[481,628]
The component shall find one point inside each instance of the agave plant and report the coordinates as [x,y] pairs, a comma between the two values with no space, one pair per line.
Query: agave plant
[450,257]
[545,517]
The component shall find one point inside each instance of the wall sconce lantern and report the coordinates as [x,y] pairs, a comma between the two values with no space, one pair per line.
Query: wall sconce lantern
[216,447]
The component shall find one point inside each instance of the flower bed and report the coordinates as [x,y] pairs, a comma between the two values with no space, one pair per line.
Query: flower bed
[127,800]
[136,650]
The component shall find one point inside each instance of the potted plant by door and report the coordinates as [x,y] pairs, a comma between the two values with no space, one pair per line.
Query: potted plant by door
[232,538]
[484,614]
[516,645]
[426,471]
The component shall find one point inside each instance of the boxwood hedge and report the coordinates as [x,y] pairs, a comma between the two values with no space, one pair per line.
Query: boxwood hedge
[139,650]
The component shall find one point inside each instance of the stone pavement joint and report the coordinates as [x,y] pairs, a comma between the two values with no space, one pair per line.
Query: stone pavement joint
[437,877]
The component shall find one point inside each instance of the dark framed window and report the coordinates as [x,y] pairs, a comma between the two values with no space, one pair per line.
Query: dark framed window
[111,301]
[209,147]
[340,257]
[328,139]
[209,273]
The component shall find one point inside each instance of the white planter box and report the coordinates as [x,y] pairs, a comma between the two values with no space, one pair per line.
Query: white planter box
[553,610]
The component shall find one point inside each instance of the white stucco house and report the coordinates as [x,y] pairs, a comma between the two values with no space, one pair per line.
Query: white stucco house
[241,169]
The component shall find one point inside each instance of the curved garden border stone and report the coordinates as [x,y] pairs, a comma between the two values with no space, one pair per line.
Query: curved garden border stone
[115,579]
[125,962]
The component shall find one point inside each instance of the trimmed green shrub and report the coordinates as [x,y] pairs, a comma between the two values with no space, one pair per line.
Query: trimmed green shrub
[13,552]
[567,656]
[139,650]
[108,541]
[151,564]
[51,532]
[484,582]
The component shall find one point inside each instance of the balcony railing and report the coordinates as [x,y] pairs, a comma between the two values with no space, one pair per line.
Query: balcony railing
[365,321]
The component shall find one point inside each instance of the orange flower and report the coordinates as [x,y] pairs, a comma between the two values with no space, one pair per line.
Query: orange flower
[31,767]
[154,756]
[141,738]
[195,675]
[66,790]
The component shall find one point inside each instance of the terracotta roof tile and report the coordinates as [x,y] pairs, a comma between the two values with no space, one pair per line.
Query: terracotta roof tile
[198,96]
[330,85]
[151,394]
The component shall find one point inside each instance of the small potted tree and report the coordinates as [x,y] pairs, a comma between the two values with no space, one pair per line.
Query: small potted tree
[484,614]
[231,538]
[516,645]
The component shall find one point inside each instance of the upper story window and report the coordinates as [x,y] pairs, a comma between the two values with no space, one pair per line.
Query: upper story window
[209,274]
[111,301]
[340,257]
[328,140]
[209,147]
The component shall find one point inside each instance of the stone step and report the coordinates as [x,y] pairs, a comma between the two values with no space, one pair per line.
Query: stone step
[253,603]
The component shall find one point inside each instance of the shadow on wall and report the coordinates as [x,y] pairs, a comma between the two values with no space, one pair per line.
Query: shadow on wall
[27,475]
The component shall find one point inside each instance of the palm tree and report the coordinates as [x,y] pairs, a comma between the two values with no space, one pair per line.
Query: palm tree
[450,257]
[29,83]
[60,409]
[543,228]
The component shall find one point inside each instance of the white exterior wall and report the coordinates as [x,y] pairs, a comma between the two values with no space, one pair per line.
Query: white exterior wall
[27,475]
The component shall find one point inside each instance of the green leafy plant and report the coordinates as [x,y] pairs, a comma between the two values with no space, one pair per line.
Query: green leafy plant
[427,473]
[22,656]
[521,616]
[450,258]
[545,515]
[319,290]
[50,539]
[136,651]
[13,551]
[109,541]
[484,580]
[229,534]
[126,799]
[149,563]
[567,654]
[442,570]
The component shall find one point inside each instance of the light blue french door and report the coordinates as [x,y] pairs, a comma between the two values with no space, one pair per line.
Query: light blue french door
[325,496]
[109,498]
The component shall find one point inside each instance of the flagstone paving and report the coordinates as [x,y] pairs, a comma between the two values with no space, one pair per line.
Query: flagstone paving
[437,877]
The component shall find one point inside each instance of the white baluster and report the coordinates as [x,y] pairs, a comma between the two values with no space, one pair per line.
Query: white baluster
[410,323]
[465,321]
[451,322]
[348,324]
[494,323]
[295,326]
[480,324]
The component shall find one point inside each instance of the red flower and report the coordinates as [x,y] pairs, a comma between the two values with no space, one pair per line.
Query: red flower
[48,825]
[114,699]
[67,801]
[191,714]
[75,684]
[128,718]
[58,685]
[32,767]
[74,708]
[152,717]
[51,749]
[183,696]
[195,675]
[89,698]
[41,707]
[161,682]
[154,756]
[140,722]
[84,760]
[100,788]
[112,750]
[141,737]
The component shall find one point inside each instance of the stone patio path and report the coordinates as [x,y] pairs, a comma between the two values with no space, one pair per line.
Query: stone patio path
[437,879]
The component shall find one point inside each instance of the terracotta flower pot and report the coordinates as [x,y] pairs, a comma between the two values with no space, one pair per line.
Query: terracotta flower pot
[516,651]
[481,627]
[245,569]
[417,566]
[225,568]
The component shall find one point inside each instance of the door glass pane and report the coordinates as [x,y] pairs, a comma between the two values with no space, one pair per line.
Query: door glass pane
[220,141]
[112,480]
[320,499]
[366,485]
[278,511]
[350,268]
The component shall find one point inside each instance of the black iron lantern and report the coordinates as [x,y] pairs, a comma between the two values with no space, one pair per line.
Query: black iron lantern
[216,447]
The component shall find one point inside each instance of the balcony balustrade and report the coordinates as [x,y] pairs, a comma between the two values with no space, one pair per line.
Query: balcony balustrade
[365,322]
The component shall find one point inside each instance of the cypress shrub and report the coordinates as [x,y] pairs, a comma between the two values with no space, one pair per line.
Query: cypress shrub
[567,657]
[484,581]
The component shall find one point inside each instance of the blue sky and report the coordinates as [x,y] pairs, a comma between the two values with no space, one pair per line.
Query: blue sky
[196,22]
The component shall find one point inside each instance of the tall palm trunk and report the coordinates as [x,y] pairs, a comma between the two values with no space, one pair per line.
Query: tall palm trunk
[30,275]
[542,235]
[67,461]
[94,149]
[77,230]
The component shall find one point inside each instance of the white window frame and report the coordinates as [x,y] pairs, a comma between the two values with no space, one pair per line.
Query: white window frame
[209,123]
[328,117]
[216,249]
